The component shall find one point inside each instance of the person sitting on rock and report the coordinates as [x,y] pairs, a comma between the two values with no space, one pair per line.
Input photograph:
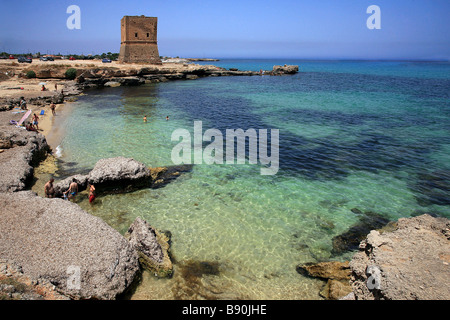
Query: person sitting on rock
[23,103]
[30,127]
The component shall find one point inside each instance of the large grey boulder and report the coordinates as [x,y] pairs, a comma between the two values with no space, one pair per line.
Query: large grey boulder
[152,247]
[56,240]
[411,262]
[335,273]
[119,173]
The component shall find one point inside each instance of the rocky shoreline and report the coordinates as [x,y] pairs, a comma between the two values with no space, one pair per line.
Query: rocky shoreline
[50,238]
[97,76]
[52,241]
[408,261]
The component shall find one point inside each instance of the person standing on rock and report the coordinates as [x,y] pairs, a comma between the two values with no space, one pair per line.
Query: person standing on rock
[48,189]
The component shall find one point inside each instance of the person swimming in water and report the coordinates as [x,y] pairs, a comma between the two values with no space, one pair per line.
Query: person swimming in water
[145,118]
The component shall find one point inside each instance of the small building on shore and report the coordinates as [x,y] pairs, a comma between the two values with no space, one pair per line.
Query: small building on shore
[139,40]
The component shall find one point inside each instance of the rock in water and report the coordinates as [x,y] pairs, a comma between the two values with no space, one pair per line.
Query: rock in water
[152,247]
[337,275]
[286,69]
[56,240]
[326,270]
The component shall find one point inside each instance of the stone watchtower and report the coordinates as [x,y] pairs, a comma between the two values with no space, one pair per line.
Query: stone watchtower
[138,40]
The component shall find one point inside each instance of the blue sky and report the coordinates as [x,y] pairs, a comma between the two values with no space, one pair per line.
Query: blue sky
[315,29]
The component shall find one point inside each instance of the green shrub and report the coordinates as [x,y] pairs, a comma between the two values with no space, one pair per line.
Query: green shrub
[71,73]
[31,74]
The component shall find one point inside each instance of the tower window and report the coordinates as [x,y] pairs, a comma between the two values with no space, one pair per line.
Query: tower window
[135,35]
[148,34]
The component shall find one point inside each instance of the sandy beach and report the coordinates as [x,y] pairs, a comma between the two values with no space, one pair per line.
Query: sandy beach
[46,120]
[14,86]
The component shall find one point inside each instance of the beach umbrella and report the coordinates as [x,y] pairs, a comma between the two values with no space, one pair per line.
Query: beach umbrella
[42,83]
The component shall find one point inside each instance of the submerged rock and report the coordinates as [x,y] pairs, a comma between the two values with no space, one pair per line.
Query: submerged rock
[200,280]
[152,247]
[433,188]
[110,175]
[350,239]
[411,262]
[160,176]
[335,273]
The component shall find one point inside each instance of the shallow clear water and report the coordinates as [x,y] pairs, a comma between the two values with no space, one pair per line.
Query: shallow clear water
[367,135]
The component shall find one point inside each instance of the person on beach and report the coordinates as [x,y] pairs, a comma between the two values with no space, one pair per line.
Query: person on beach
[23,103]
[29,127]
[52,107]
[36,121]
[91,193]
[48,189]
[73,189]
[145,118]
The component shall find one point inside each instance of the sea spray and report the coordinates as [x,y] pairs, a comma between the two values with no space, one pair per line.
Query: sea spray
[58,152]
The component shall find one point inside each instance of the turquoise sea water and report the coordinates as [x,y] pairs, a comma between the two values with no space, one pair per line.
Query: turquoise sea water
[374,136]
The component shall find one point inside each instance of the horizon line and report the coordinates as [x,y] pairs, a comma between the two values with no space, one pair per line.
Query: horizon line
[265,58]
